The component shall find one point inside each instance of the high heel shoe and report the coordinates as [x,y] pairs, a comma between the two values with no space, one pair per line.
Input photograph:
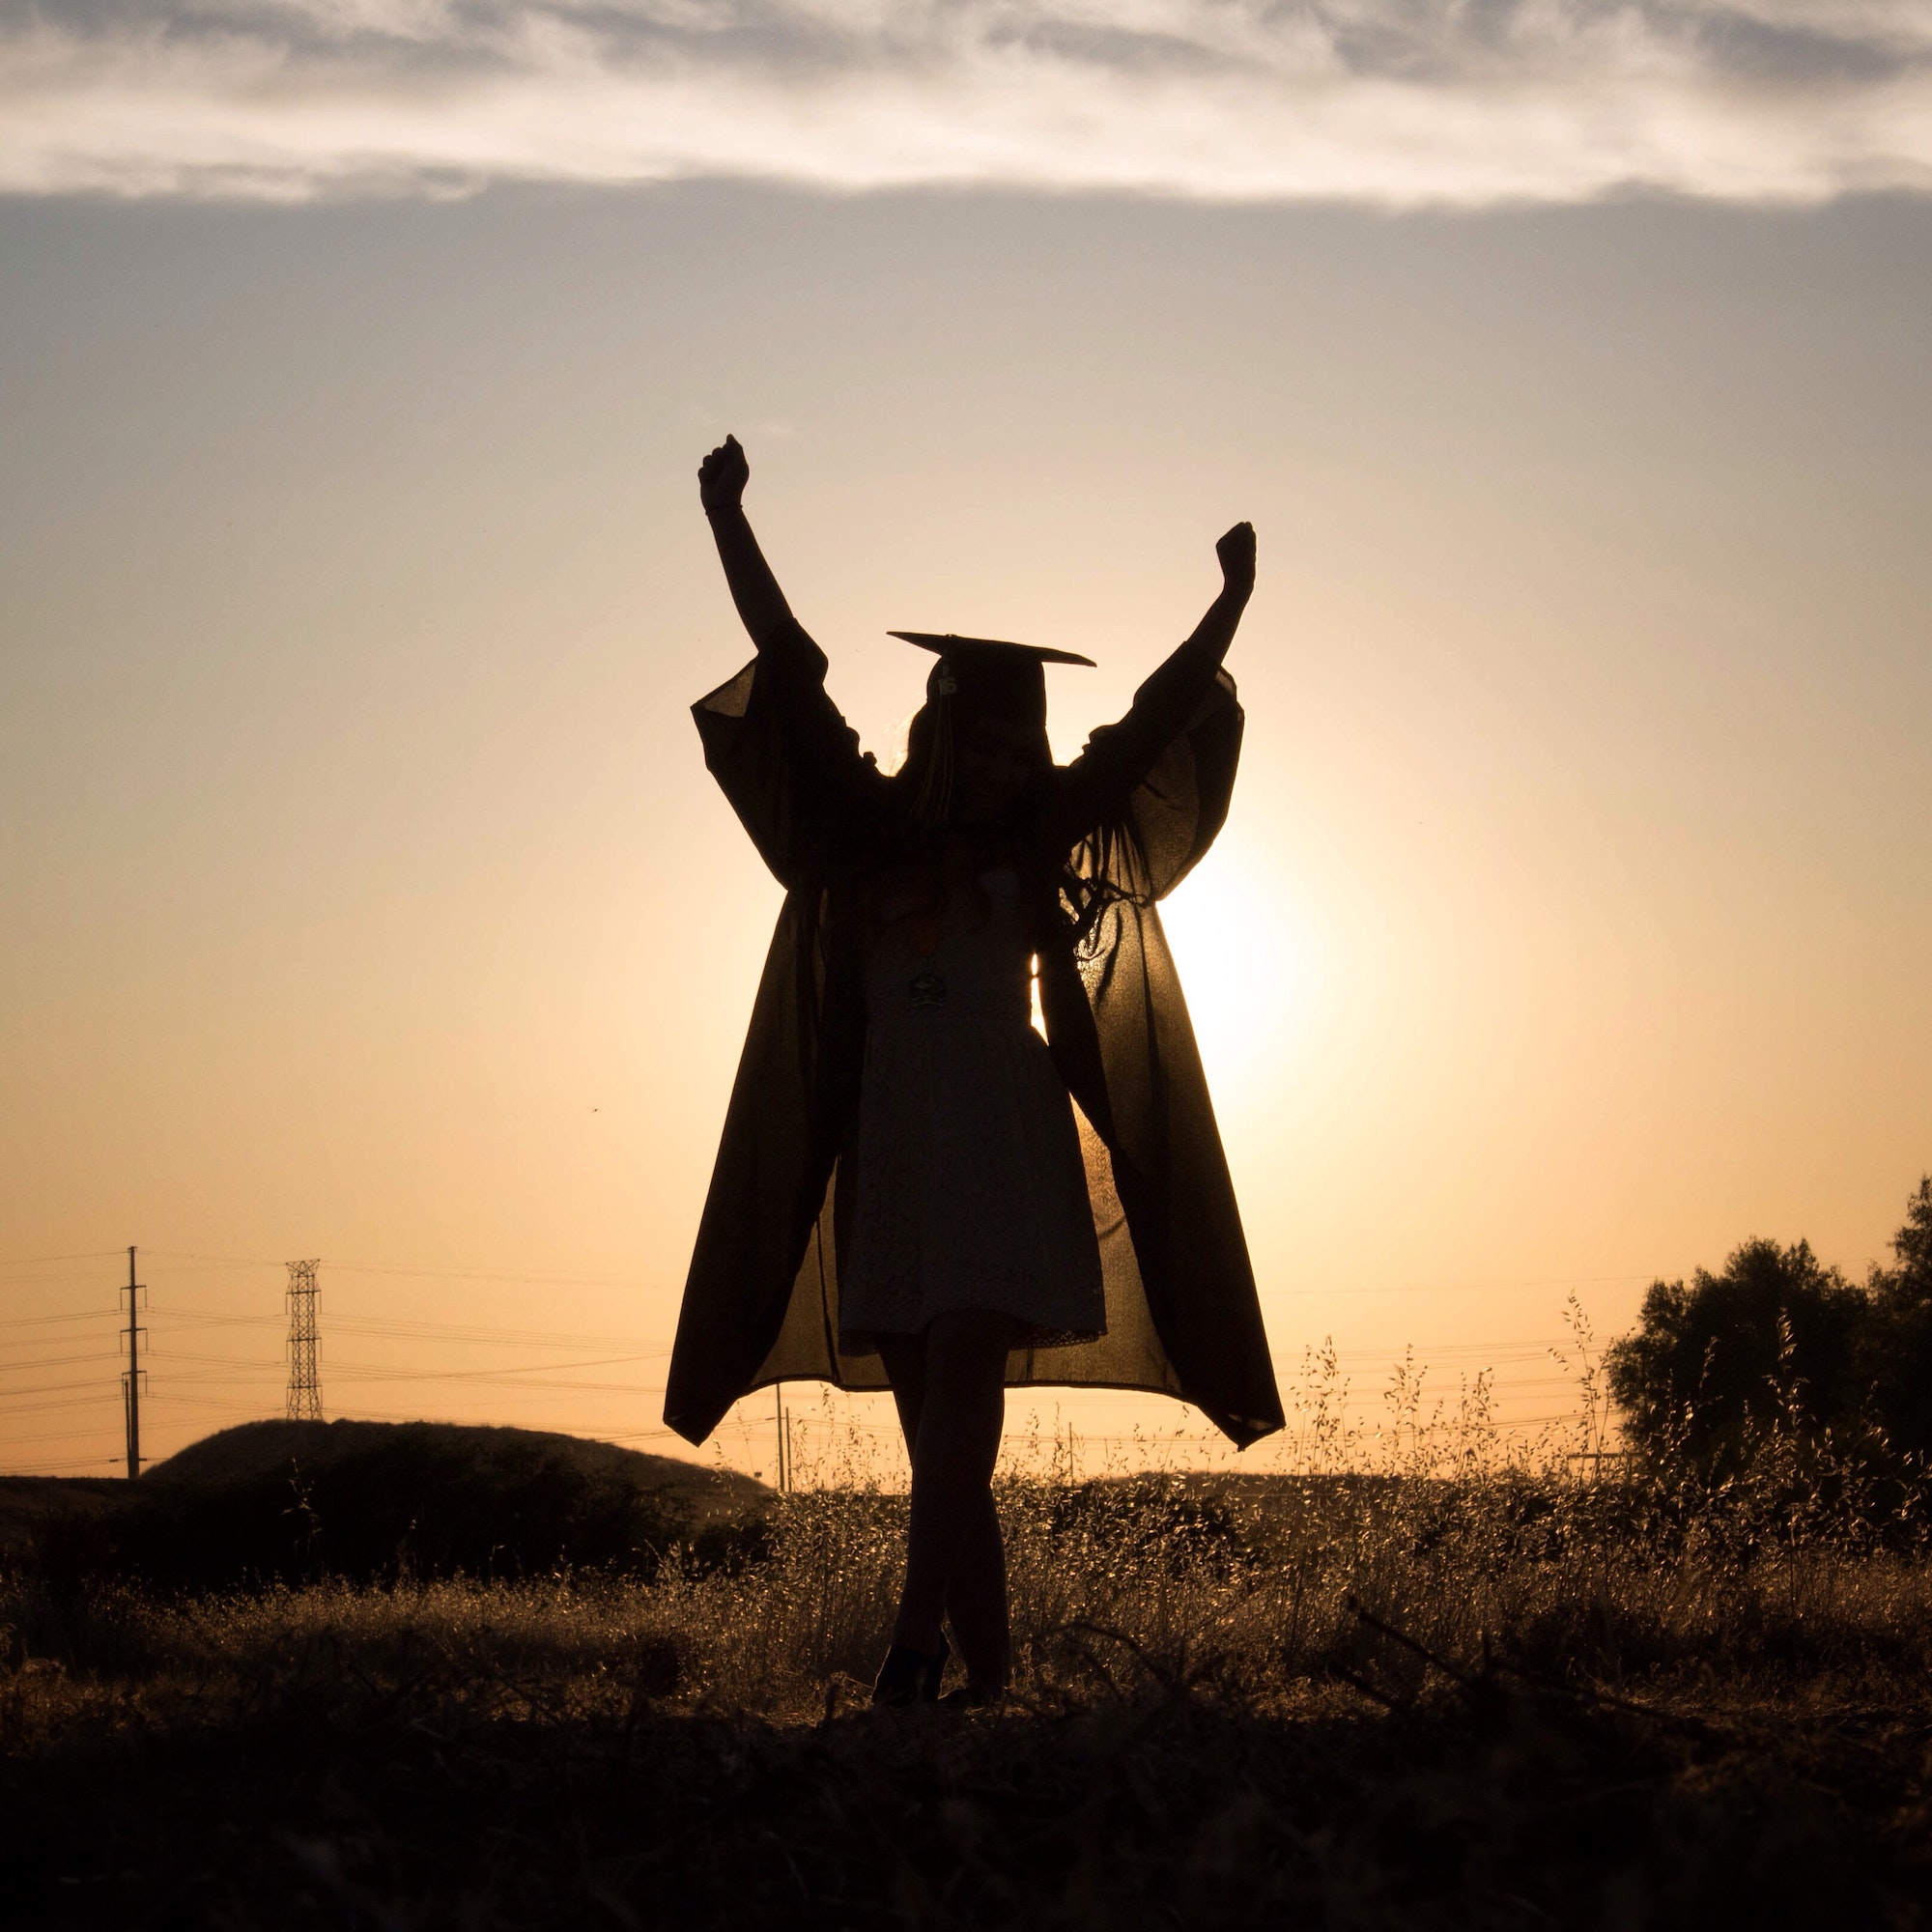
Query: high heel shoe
[909,1677]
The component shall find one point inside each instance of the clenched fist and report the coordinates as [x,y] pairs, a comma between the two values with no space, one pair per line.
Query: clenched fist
[723,475]
[1236,551]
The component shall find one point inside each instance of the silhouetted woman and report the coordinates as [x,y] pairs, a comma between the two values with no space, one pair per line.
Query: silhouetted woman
[914,1188]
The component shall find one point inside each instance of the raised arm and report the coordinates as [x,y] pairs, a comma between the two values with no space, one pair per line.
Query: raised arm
[1119,756]
[721,487]
[789,762]
[1235,555]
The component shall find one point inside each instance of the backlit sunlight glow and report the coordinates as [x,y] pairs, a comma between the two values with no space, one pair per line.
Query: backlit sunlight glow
[1400,101]
[1251,971]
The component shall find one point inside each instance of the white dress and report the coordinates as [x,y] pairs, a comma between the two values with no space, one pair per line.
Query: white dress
[971,1191]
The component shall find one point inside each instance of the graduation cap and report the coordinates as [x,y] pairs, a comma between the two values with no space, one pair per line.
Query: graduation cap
[990,673]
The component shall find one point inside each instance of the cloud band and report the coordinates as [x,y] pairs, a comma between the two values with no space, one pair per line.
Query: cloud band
[1397,101]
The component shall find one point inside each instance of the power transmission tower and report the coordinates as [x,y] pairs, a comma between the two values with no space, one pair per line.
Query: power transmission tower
[130,1383]
[305,1346]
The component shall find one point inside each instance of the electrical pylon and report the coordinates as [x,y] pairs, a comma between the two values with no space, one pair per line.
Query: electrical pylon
[305,1346]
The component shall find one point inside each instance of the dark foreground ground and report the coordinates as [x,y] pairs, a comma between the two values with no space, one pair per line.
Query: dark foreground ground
[1508,1700]
[436,1801]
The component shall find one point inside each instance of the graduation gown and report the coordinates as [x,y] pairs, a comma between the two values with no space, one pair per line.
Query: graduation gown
[1118,828]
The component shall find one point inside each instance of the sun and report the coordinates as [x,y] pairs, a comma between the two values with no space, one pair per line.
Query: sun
[1248,967]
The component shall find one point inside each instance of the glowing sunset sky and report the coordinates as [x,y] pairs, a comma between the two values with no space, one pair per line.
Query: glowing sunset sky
[365,894]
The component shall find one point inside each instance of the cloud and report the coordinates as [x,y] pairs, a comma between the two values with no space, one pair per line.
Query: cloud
[1397,101]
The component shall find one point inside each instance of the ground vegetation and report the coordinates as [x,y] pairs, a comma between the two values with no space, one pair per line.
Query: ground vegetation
[1457,1689]
[1430,1676]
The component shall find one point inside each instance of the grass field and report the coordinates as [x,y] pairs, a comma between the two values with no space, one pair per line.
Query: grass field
[1426,1696]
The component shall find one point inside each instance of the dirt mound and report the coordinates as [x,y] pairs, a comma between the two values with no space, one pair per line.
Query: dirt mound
[369,1501]
[257,1449]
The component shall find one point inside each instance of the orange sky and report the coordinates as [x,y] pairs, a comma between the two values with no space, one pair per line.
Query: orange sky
[367,898]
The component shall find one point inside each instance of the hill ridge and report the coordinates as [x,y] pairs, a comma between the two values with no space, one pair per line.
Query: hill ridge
[251,1450]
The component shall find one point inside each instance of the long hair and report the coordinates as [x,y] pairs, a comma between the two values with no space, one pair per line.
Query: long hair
[925,782]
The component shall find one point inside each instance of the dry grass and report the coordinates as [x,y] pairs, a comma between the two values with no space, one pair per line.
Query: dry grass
[1432,1680]
[1498,1699]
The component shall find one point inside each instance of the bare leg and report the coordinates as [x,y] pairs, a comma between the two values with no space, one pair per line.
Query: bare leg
[949,1385]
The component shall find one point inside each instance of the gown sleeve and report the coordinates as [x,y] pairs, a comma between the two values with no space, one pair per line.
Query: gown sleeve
[783,756]
[1149,795]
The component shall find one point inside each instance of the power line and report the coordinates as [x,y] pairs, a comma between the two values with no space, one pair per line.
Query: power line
[404,1271]
[250,1370]
[513,1338]
[58,1388]
[205,1318]
[245,1370]
[98,1400]
[1455,1287]
[48,1260]
[91,1434]
[53,1469]
[515,1277]
[77,1315]
[255,1411]
[497,1380]
[445,1331]
[190,1371]
[57,1362]
[490,1374]
[510,1276]
[258,1412]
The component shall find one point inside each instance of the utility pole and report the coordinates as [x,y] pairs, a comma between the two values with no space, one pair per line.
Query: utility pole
[305,1346]
[784,1445]
[130,1383]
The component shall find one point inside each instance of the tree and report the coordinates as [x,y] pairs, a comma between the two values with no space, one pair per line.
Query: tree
[1776,1338]
[1896,1354]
